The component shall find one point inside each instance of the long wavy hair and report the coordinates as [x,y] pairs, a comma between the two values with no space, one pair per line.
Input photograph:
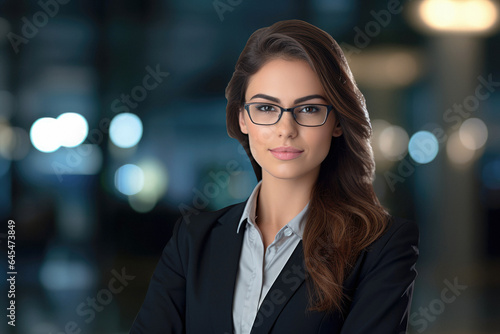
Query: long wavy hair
[344,214]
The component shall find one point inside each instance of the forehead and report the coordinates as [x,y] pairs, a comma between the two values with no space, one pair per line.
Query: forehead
[285,79]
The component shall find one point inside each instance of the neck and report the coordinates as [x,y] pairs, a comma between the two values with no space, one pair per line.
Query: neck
[280,200]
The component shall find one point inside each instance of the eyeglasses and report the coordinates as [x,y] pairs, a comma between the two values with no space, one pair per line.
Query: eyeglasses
[306,115]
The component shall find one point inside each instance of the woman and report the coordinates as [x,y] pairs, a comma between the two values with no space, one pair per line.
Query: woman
[311,250]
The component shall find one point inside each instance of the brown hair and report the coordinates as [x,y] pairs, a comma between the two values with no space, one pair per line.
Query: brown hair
[344,214]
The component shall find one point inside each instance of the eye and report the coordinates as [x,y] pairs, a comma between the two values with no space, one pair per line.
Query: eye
[265,108]
[309,109]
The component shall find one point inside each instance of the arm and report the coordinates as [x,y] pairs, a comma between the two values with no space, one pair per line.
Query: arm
[163,310]
[382,300]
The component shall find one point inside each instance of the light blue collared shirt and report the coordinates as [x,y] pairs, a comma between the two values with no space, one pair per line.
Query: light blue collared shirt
[258,269]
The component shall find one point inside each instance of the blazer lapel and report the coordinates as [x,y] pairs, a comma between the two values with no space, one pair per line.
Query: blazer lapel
[288,281]
[225,255]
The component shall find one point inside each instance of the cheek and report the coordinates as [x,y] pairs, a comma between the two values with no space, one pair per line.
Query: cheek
[321,143]
[259,140]
[259,136]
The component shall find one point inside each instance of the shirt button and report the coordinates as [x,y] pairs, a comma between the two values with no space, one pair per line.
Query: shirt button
[288,232]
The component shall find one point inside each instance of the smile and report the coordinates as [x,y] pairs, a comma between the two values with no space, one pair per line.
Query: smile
[286,153]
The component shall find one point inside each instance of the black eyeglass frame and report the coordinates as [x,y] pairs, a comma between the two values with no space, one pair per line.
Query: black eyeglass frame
[282,110]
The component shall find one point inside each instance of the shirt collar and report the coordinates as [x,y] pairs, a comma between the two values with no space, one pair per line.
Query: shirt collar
[296,224]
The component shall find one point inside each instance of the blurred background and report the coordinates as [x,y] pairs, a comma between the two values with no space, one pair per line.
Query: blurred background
[112,125]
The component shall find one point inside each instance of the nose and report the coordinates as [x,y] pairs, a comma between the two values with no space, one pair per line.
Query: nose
[286,126]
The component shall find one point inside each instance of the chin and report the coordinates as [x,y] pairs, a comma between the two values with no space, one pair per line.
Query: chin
[286,173]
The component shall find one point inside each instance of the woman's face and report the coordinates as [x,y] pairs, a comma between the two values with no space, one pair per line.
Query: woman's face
[283,82]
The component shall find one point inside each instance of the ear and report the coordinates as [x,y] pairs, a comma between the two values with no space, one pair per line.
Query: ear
[337,131]
[242,121]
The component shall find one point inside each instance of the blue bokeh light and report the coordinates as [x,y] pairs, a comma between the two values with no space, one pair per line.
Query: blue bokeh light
[423,147]
[125,130]
[129,179]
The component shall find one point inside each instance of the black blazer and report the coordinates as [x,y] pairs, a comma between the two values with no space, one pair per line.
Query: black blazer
[191,290]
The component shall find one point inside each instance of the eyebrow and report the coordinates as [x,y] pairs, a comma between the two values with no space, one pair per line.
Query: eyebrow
[299,100]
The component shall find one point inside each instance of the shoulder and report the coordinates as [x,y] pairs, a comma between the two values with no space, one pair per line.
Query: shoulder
[394,252]
[198,223]
[398,230]
[397,246]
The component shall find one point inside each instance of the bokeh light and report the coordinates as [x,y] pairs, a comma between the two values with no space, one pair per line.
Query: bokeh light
[6,134]
[73,128]
[14,142]
[457,152]
[125,130]
[393,141]
[458,16]
[378,126]
[19,144]
[48,134]
[129,179]
[155,185]
[64,274]
[44,134]
[423,147]
[473,133]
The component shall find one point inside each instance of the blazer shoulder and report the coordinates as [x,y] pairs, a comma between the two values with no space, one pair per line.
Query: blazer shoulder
[397,229]
[201,222]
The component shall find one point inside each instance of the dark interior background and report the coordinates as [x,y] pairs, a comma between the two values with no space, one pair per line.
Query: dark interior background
[79,222]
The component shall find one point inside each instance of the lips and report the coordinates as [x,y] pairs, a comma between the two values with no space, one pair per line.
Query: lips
[286,152]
